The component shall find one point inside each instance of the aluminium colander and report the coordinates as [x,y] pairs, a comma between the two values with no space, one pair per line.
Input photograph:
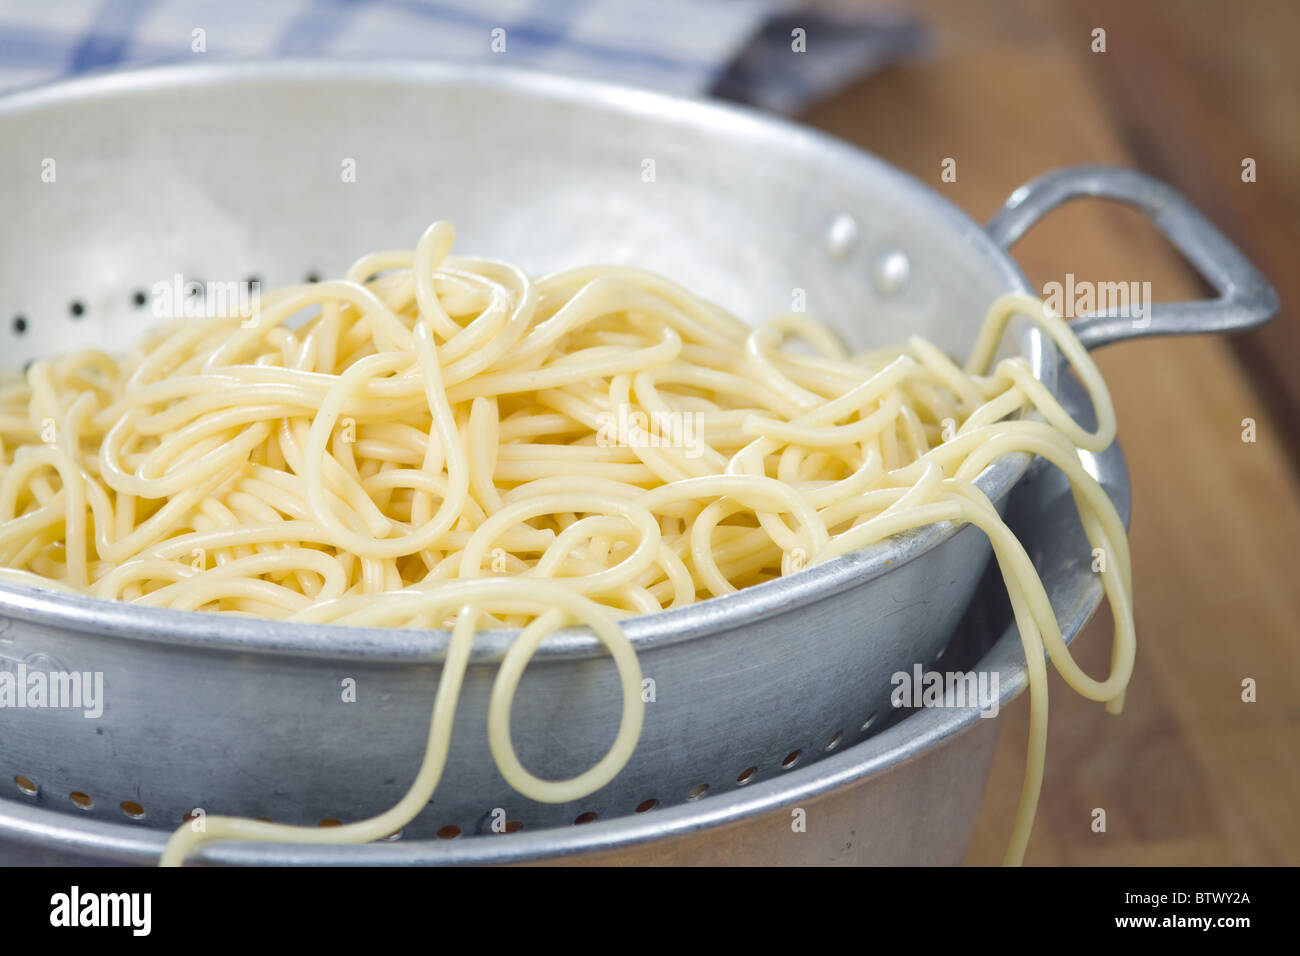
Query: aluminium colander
[285,169]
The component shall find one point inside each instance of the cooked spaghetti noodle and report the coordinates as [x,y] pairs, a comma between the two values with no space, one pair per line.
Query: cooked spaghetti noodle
[404,446]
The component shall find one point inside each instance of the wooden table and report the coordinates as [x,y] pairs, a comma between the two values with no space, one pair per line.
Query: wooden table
[1189,774]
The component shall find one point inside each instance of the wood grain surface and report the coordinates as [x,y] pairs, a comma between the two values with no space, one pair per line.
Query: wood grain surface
[1189,774]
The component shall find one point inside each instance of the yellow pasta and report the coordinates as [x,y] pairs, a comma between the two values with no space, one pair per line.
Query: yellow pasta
[441,441]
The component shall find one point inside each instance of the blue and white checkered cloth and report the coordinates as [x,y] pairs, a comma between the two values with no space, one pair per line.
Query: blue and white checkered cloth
[746,50]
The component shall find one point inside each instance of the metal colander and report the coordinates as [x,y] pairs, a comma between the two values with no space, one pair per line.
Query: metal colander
[238,171]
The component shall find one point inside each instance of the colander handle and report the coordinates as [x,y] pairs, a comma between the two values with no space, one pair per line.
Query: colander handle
[1245,297]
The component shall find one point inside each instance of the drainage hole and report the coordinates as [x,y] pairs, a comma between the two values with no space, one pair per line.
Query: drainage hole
[697,791]
[449,832]
[746,775]
[132,809]
[27,786]
[791,759]
[82,800]
[646,805]
[835,740]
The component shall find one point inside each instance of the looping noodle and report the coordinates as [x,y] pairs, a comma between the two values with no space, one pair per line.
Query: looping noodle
[440,441]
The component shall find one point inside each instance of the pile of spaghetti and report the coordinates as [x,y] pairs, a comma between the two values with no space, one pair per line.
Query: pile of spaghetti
[441,441]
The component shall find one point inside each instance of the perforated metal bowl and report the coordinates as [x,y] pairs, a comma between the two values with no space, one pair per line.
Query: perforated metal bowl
[222,172]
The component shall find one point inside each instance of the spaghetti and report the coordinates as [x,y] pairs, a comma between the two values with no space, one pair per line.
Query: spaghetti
[399,447]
